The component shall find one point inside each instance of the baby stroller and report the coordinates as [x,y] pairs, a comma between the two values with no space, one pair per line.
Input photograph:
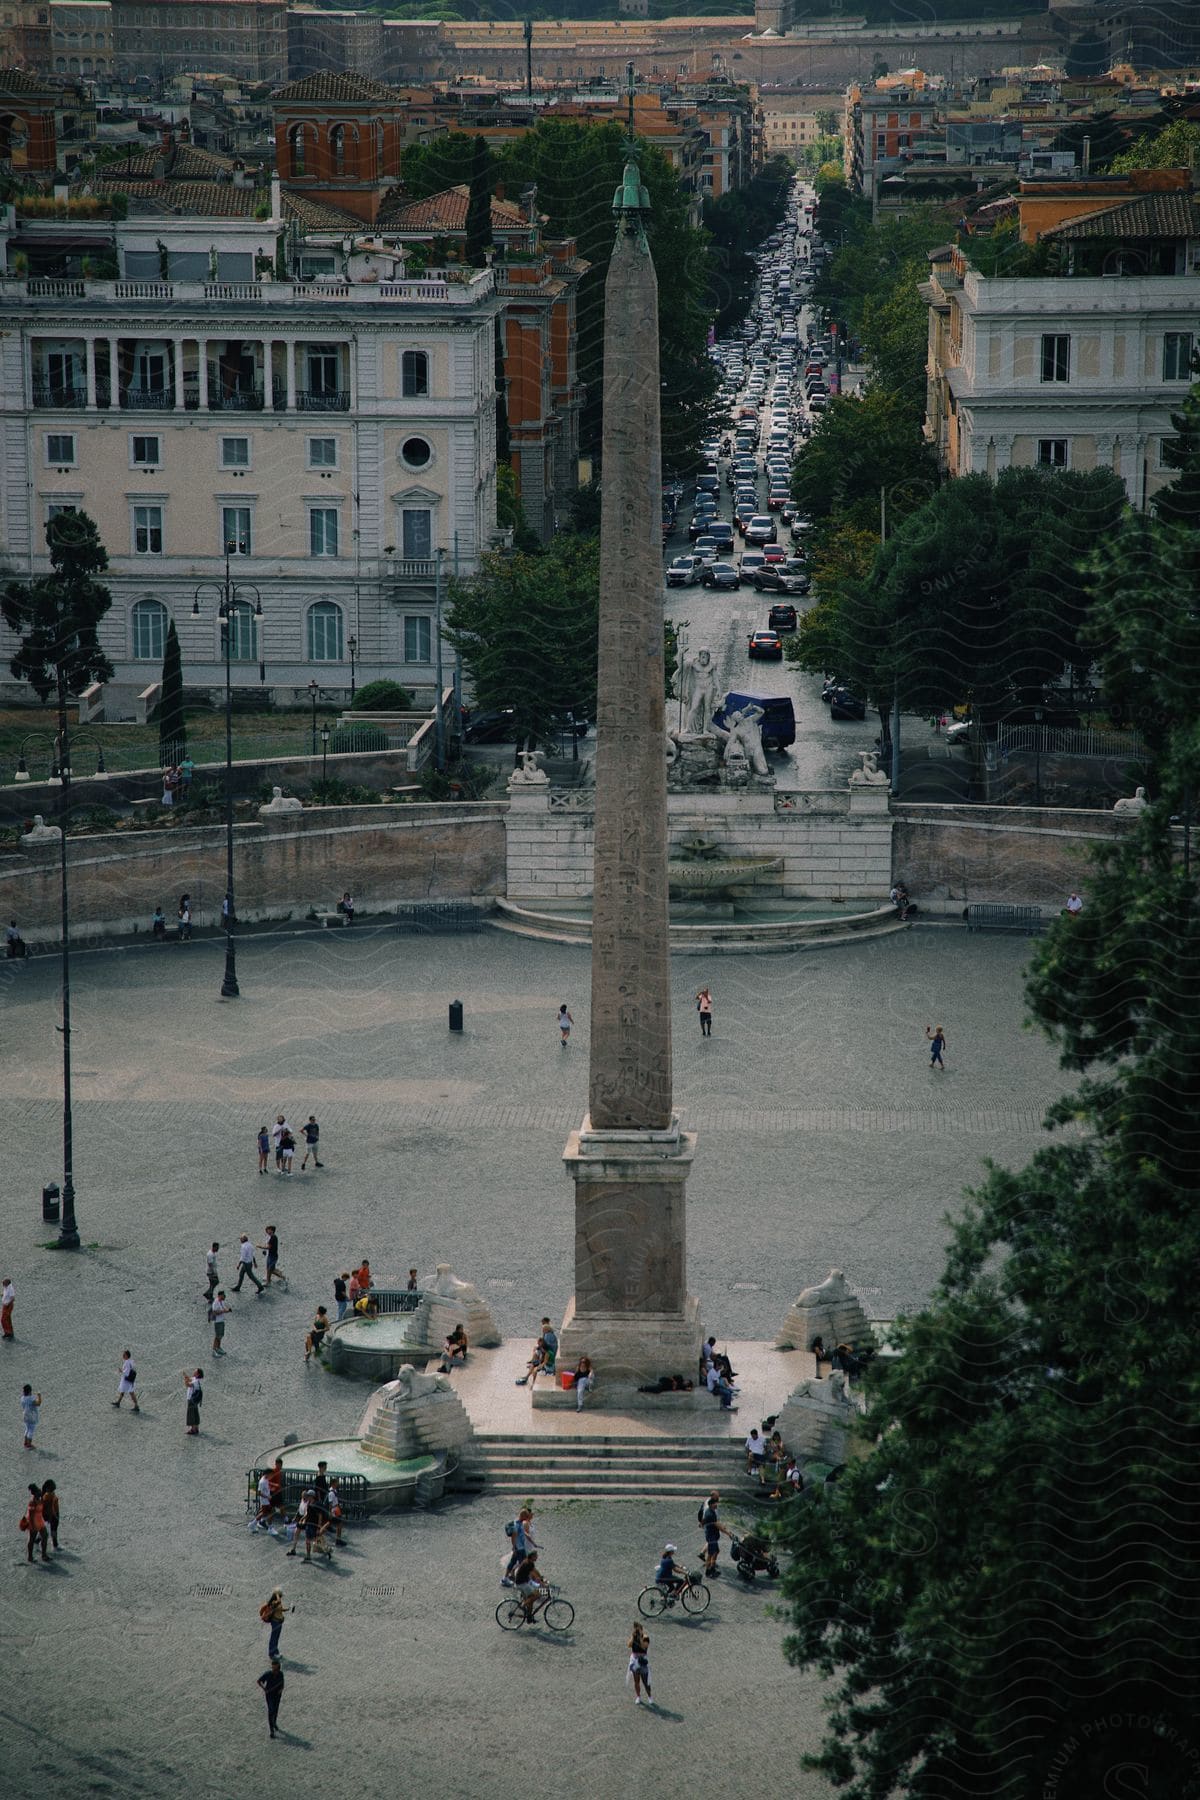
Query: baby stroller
[752,1554]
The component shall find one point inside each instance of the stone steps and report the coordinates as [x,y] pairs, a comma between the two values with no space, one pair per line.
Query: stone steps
[609,1468]
[775,935]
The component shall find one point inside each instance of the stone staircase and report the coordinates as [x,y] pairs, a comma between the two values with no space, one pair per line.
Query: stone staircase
[549,1467]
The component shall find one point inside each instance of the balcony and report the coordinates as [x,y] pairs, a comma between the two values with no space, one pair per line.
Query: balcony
[415,571]
[147,399]
[243,400]
[316,400]
[57,397]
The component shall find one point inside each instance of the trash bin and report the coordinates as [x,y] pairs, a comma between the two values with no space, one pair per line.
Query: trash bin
[456,1015]
[50,1204]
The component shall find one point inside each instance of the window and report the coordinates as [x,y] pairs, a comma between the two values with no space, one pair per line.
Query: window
[418,640]
[144,452]
[235,530]
[1056,358]
[416,534]
[150,620]
[150,371]
[243,633]
[57,509]
[414,374]
[322,531]
[322,453]
[235,453]
[147,530]
[416,453]
[1177,356]
[60,448]
[325,632]
[337,148]
[322,363]
[1052,453]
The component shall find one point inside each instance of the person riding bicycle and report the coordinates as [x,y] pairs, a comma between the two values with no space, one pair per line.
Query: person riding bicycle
[668,1575]
[529,1583]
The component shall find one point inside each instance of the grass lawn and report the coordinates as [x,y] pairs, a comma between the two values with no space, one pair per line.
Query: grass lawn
[255,734]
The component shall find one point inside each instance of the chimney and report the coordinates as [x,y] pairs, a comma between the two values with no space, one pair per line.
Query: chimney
[1087,155]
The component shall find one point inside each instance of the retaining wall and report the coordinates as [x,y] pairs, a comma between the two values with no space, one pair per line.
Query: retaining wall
[948,856]
[283,866]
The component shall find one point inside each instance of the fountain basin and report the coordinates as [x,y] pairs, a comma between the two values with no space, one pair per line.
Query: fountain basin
[719,873]
[736,925]
[388,1483]
[376,1349]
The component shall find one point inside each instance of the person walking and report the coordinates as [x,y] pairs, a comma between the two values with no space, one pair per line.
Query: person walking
[705,1008]
[273,1612]
[341,1293]
[271,1251]
[287,1149]
[31,1411]
[937,1043]
[271,1683]
[246,1265]
[34,1522]
[210,1264]
[185,919]
[264,1150]
[158,924]
[194,1391]
[8,1299]
[277,1130]
[128,1382]
[639,1664]
[713,1533]
[218,1311]
[312,1139]
[50,1511]
[565,1022]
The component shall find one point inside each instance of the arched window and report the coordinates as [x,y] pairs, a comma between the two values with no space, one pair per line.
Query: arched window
[414,374]
[243,640]
[150,620]
[325,632]
[337,148]
[296,140]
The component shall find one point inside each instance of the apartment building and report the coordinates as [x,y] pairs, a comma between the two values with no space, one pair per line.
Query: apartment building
[1080,369]
[248,394]
[793,119]
[335,41]
[81,37]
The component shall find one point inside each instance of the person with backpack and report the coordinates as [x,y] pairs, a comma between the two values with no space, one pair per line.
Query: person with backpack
[34,1522]
[273,1612]
[128,1382]
[519,1532]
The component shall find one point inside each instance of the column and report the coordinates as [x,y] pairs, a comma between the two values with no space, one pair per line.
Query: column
[202,354]
[264,350]
[352,377]
[177,357]
[89,357]
[289,358]
[114,373]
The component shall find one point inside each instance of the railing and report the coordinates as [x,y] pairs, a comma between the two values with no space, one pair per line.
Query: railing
[144,400]
[1068,741]
[396,1300]
[309,400]
[408,569]
[144,290]
[232,290]
[39,289]
[432,289]
[59,397]
[243,400]
[352,1490]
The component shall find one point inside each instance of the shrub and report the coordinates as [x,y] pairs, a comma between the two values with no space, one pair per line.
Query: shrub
[96,818]
[333,792]
[382,696]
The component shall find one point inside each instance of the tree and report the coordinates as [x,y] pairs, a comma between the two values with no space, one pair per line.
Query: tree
[1179,503]
[431,168]
[1176,146]
[57,616]
[479,208]
[994,1587]
[861,445]
[526,629]
[172,725]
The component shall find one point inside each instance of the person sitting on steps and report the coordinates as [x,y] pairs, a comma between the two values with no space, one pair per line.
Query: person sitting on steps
[454,1350]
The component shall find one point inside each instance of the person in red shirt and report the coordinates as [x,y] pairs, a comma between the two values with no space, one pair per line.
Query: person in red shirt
[34,1522]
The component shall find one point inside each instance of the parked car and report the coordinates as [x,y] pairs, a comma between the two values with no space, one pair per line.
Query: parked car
[684,571]
[782,616]
[720,575]
[766,644]
[845,705]
[498,726]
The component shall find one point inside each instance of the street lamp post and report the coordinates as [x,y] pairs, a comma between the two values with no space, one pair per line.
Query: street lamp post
[229,601]
[68,1231]
[1037,755]
[313,692]
[352,646]
[439,723]
[324,753]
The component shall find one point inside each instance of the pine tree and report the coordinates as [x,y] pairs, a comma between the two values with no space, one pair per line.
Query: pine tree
[172,725]
[479,208]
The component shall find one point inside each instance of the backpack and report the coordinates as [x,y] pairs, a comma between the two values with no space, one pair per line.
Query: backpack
[510,1530]
[265,1611]
[700,1512]
[131,1378]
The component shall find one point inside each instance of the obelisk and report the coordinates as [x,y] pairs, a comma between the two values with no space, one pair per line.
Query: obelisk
[631,1312]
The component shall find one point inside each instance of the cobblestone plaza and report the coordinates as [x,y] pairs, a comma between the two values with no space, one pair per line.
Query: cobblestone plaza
[824,1140]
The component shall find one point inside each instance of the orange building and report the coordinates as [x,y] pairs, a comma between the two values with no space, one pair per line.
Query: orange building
[338,139]
[1045,205]
[27,135]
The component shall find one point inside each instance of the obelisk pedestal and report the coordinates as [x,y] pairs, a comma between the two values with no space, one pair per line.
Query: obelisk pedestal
[631,1312]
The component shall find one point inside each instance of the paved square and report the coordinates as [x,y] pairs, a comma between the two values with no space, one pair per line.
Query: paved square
[824,1140]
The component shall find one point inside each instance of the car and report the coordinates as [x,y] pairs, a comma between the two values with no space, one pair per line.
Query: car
[774,555]
[761,529]
[496,727]
[845,705]
[706,550]
[684,571]
[782,616]
[720,575]
[707,484]
[750,561]
[776,498]
[818,403]
[765,644]
[721,531]
[959,732]
[699,523]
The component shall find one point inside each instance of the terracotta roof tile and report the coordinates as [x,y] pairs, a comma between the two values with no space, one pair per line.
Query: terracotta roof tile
[20,81]
[447,211]
[318,215]
[198,199]
[339,87]
[1173,215]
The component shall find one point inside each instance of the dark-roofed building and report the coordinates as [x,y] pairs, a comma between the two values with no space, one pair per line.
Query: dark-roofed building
[247,39]
[27,129]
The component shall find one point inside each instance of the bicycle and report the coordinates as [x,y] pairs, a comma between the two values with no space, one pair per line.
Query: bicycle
[691,1593]
[556,1612]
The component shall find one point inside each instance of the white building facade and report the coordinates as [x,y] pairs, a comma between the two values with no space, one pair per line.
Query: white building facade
[332,441]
